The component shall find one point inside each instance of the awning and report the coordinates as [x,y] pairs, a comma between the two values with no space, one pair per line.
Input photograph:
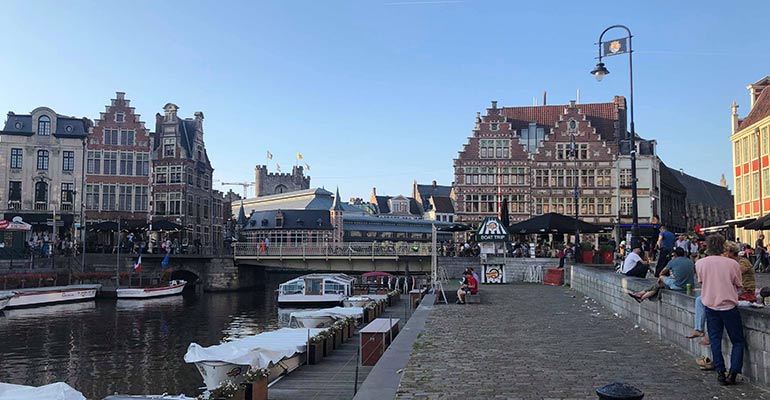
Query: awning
[715,228]
[740,222]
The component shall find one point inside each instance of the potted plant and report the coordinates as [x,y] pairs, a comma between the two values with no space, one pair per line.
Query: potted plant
[328,342]
[587,252]
[316,350]
[255,382]
[607,253]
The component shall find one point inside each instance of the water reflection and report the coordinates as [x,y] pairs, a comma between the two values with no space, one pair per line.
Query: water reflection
[127,346]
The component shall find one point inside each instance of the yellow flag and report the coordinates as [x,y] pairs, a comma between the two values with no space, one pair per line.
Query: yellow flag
[299,156]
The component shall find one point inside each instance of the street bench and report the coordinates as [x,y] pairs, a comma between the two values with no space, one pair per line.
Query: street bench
[473,298]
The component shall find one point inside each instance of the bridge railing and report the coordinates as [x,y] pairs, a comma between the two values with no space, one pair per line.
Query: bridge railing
[339,250]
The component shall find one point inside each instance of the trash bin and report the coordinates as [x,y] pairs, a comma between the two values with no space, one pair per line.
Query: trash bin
[619,391]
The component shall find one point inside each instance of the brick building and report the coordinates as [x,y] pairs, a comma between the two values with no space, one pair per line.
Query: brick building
[118,165]
[524,154]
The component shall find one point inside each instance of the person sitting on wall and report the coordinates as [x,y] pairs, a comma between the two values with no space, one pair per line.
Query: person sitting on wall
[682,274]
[635,265]
[469,285]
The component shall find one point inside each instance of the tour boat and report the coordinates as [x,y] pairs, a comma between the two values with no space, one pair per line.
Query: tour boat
[52,294]
[5,298]
[53,391]
[315,290]
[280,351]
[173,287]
[323,318]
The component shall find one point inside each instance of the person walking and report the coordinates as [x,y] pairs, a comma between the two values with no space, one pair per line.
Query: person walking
[759,252]
[666,241]
[720,279]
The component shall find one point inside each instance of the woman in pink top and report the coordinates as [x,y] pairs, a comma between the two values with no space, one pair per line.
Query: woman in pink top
[720,279]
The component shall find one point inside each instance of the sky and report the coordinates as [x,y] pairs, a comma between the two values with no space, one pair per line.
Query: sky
[384,92]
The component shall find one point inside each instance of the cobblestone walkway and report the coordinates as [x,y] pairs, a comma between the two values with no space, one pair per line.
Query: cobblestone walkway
[544,342]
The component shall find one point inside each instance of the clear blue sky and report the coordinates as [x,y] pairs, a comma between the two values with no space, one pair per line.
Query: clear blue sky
[379,93]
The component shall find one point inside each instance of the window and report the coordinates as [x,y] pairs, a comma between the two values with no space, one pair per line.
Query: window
[42,159]
[745,150]
[485,203]
[603,178]
[604,206]
[737,146]
[169,147]
[175,203]
[108,197]
[625,177]
[160,203]
[66,194]
[16,158]
[765,139]
[140,198]
[189,176]
[124,198]
[564,151]
[161,174]
[41,194]
[120,117]
[126,137]
[110,163]
[754,146]
[495,148]
[625,206]
[766,182]
[92,197]
[68,161]
[746,188]
[111,136]
[755,186]
[175,174]
[44,126]
[14,191]
[94,163]
[494,126]
[142,164]
[587,178]
[517,203]
[532,137]
[126,163]
[189,205]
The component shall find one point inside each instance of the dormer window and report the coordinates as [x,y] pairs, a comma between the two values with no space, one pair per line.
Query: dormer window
[279,219]
[44,126]
[120,117]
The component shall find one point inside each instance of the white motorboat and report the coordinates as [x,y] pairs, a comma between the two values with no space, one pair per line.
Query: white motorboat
[148,397]
[173,287]
[356,301]
[280,351]
[5,298]
[323,318]
[52,294]
[53,391]
[315,290]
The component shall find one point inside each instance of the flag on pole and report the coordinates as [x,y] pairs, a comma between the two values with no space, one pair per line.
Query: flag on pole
[615,47]
[269,155]
[278,167]
[299,156]
[307,167]
[138,265]
[164,263]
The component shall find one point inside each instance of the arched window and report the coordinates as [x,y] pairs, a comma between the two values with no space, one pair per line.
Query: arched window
[44,126]
[281,189]
[42,159]
[41,192]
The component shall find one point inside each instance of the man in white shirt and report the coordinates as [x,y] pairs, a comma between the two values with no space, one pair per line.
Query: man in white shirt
[633,265]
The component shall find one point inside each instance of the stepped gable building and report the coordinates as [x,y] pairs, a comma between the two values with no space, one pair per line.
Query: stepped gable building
[267,183]
[41,167]
[118,166]
[524,154]
[182,173]
[751,149]
[437,201]
[708,204]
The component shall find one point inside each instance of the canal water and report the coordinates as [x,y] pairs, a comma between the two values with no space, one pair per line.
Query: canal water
[108,346]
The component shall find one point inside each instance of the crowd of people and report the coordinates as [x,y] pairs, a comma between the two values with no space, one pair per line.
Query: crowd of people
[458,249]
[727,280]
[41,244]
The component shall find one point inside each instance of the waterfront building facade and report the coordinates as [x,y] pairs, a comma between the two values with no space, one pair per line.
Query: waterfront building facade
[437,201]
[118,166]
[41,167]
[751,149]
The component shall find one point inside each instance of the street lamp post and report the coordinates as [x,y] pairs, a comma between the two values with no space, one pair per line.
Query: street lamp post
[611,48]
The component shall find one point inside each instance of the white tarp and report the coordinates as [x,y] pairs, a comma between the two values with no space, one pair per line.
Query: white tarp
[257,351]
[337,312]
[54,391]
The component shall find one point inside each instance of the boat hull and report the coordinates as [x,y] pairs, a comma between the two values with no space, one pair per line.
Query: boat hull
[216,372]
[356,302]
[147,293]
[4,302]
[51,295]
[314,322]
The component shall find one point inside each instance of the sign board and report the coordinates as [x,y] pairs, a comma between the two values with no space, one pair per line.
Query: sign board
[493,273]
[491,230]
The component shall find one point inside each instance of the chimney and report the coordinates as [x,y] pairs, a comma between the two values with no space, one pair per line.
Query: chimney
[735,120]
[578,96]
[374,191]
[572,104]
[494,104]
[544,93]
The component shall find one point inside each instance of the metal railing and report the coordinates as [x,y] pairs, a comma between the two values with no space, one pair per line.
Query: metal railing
[332,250]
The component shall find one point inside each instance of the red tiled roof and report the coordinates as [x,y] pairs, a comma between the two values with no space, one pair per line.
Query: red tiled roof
[601,115]
[760,110]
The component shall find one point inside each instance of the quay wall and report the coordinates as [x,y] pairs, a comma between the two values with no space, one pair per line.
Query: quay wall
[672,316]
[515,268]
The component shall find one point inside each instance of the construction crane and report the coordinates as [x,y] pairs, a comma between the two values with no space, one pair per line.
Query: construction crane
[245,186]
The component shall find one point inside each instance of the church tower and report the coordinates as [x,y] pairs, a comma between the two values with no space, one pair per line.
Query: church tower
[335,217]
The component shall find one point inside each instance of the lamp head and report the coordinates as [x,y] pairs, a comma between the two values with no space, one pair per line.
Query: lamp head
[600,71]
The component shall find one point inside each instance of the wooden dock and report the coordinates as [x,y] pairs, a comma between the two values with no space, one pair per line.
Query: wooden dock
[334,377]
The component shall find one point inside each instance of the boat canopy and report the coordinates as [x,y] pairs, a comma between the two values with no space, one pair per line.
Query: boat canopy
[53,391]
[332,283]
[334,312]
[257,351]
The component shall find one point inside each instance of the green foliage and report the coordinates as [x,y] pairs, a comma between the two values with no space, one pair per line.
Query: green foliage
[586,246]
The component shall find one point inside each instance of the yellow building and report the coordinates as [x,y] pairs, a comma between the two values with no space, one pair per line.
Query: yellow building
[751,148]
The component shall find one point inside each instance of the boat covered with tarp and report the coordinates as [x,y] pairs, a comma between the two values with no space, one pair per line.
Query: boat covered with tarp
[324,317]
[53,391]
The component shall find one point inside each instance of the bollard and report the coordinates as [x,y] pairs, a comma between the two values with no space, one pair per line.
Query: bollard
[619,391]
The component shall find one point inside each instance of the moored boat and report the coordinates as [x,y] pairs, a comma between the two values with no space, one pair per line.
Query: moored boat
[53,391]
[53,294]
[323,318]
[280,352]
[356,301]
[5,298]
[315,290]
[173,287]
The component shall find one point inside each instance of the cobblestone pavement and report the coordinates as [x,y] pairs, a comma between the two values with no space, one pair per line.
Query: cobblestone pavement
[542,342]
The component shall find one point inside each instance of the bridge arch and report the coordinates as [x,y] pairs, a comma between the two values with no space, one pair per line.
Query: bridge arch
[192,277]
